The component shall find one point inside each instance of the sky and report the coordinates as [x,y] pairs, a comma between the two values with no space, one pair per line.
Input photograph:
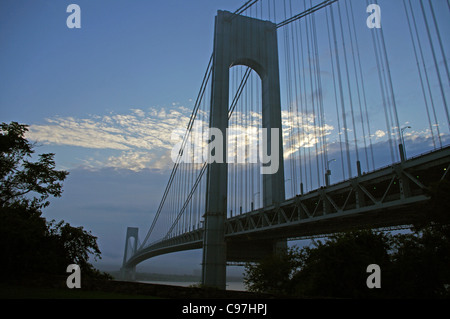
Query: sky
[88,95]
[105,97]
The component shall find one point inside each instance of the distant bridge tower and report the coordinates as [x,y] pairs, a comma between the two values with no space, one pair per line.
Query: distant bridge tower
[130,273]
[239,40]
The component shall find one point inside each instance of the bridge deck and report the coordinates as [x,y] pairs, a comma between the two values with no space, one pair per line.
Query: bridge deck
[389,196]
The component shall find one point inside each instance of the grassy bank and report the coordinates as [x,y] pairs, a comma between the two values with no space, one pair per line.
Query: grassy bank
[8,291]
[55,288]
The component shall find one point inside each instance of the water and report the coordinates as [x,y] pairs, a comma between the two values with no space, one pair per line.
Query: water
[233,285]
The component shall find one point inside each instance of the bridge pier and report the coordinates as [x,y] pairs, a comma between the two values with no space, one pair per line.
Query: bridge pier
[128,274]
[214,251]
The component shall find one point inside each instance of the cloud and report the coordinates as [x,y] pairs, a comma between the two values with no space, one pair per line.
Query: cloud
[143,139]
[379,134]
[138,112]
[138,140]
[302,130]
[139,130]
[137,161]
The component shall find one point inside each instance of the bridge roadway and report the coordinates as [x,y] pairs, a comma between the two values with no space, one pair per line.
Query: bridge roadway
[389,196]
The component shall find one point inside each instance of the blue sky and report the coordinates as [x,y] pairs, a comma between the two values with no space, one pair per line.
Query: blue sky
[127,57]
[127,54]
[105,98]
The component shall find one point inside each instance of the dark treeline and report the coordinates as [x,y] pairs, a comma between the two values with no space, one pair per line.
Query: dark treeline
[415,264]
[29,244]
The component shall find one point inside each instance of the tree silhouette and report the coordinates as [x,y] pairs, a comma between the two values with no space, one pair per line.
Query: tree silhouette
[415,264]
[21,178]
[28,243]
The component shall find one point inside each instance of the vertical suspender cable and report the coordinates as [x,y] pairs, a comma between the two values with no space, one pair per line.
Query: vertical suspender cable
[438,34]
[313,74]
[382,88]
[321,117]
[298,99]
[420,74]
[288,92]
[391,87]
[345,128]
[335,94]
[312,99]
[348,82]
[304,112]
[357,85]
[362,86]
[444,100]
[436,124]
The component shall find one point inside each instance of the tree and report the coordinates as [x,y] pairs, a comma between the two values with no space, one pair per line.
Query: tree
[274,273]
[335,268]
[78,244]
[20,178]
[28,243]
[413,265]
[421,259]
[420,265]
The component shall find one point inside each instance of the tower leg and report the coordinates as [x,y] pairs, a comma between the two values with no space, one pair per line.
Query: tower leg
[214,252]
[129,273]
[239,40]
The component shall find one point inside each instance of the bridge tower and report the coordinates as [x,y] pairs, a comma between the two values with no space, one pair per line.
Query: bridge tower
[239,40]
[130,273]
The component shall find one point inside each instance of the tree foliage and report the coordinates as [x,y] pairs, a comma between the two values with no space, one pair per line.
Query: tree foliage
[274,274]
[28,243]
[415,264]
[23,181]
[337,267]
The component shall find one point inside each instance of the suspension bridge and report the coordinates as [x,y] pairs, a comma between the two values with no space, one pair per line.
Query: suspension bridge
[307,122]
